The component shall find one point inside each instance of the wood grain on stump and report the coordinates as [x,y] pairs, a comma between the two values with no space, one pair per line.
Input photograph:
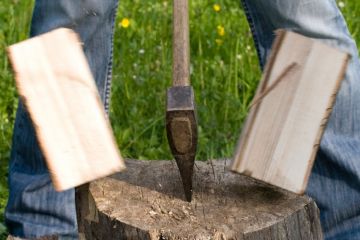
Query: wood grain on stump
[147,202]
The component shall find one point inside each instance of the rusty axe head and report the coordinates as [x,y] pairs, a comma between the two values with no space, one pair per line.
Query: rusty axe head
[181,130]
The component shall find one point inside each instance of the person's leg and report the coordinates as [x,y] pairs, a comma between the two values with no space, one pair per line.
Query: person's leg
[34,208]
[335,179]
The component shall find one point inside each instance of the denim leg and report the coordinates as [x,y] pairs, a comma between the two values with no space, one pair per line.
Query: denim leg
[34,208]
[335,179]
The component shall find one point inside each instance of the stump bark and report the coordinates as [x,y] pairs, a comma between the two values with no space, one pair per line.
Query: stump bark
[147,202]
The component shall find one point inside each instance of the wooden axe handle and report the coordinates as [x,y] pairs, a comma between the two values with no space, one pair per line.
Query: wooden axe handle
[181,50]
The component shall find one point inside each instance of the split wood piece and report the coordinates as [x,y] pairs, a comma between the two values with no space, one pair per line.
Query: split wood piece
[293,102]
[55,84]
[145,203]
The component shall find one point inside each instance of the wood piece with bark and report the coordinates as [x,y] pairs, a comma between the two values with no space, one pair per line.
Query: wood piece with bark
[56,85]
[146,202]
[280,139]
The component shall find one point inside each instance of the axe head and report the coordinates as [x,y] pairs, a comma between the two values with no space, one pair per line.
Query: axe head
[181,128]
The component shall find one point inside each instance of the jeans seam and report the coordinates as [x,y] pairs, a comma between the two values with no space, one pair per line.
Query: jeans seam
[107,87]
[253,31]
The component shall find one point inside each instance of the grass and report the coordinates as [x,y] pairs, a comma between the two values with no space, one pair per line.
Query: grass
[224,81]
[224,73]
[14,25]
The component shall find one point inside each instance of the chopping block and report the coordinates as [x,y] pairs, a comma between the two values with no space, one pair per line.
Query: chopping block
[146,202]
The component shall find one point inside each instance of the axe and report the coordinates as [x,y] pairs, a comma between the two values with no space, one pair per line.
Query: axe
[181,126]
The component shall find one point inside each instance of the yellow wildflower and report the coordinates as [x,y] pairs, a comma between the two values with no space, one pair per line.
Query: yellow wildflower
[219,42]
[125,23]
[216,7]
[221,30]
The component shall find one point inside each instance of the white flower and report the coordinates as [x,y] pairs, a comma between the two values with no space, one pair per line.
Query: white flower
[239,56]
[141,51]
[341,4]
[221,63]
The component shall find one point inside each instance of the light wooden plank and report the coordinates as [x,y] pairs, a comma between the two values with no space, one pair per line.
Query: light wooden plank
[283,131]
[57,87]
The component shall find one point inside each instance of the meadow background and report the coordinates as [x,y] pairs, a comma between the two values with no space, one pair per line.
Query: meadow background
[224,73]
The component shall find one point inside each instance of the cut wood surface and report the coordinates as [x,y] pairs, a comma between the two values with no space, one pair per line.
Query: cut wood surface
[147,202]
[293,102]
[55,84]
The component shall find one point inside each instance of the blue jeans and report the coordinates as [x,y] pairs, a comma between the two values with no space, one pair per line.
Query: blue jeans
[35,209]
[335,180]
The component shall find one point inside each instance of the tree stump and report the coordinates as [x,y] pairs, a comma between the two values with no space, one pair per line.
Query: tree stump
[147,202]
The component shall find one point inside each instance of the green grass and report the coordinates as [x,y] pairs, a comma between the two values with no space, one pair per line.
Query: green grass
[224,76]
[14,25]
[225,73]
